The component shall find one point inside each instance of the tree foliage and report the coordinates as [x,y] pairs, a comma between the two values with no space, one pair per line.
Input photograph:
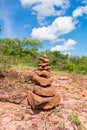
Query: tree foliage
[15,51]
[64,62]
[31,44]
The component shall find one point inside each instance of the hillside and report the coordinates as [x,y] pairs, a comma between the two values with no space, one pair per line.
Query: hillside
[16,114]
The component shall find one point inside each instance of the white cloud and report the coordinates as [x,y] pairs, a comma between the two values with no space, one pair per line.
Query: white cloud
[45,8]
[80,11]
[84,1]
[60,26]
[67,46]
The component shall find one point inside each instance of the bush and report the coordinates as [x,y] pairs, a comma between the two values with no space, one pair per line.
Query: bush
[82,69]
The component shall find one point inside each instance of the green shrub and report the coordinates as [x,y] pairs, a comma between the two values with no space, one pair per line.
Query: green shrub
[74,118]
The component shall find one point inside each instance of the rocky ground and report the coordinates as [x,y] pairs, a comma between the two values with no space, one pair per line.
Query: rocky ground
[16,114]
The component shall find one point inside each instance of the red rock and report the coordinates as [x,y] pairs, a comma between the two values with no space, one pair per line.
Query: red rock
[30,99]
[48,91]
[52,103]
[40,68]
[42,81]
[44,73]
[45,103]
[45,56]
[45,60]
[35,99]
[47,68]
[44,64]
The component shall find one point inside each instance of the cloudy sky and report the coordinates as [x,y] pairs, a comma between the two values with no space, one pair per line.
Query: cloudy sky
[60,24]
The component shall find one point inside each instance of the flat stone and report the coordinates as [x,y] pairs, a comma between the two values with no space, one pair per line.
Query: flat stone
[44,64]
[45,60]
[35,100]
[44,73]
[40,68]
[47,67]
[30,99]
[42,81]
[45,56]
[45,103]
[48,91]
[52,103]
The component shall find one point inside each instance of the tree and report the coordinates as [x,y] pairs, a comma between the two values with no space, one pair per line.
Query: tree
[11,46]
[32,44]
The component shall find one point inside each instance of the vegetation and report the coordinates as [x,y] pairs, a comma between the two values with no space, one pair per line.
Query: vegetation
[25,52]
[75,119]
[71,64]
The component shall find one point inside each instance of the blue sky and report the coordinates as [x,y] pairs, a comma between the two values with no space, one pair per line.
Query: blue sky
[60,24]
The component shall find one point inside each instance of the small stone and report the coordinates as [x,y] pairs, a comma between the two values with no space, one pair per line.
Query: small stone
[40,68]
[45,56]
[42,102]
[30,99]
[48,91]
[52,103]
[44,64]
[47,68]
[42,81]
[44,73]
[45,60]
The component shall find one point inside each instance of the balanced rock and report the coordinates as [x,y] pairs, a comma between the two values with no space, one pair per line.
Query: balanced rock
[43,95]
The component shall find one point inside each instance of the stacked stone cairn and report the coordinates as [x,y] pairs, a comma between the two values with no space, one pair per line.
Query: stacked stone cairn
[43,95]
